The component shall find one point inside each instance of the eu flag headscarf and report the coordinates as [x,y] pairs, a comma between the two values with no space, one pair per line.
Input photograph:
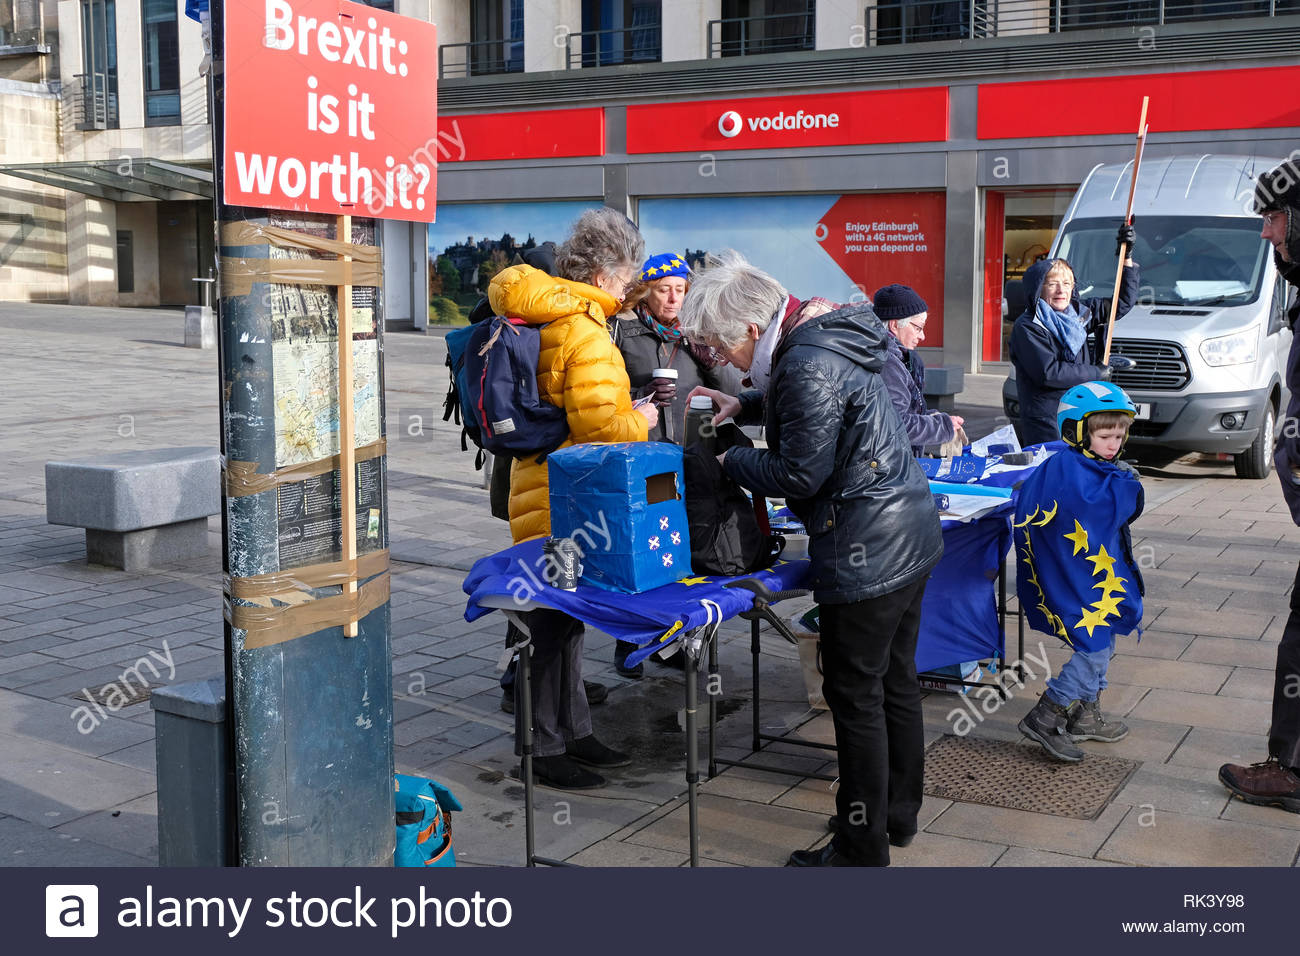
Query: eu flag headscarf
[1075,572]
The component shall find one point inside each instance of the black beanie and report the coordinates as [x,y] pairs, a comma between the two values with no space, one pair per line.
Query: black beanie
[897,302]
[1278,190]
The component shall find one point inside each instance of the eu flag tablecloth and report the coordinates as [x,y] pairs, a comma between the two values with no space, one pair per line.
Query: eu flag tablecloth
[651,619]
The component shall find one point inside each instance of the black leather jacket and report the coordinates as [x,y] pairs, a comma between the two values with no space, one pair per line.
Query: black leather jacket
[838,454]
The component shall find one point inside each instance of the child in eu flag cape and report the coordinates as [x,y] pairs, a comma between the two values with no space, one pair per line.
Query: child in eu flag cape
[1075,573]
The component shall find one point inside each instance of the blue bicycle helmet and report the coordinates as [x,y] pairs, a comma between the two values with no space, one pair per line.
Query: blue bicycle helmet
[1088,399]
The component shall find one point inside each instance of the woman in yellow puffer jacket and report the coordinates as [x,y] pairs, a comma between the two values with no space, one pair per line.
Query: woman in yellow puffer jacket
[581,371]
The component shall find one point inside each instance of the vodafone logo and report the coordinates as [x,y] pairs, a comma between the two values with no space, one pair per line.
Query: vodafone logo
[731,123]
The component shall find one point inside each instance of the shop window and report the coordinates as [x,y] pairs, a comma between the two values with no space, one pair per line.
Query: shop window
[496,29]
[765,26]
[95,96]
[621,31]
[1018,231]
[125,261]
[162,86]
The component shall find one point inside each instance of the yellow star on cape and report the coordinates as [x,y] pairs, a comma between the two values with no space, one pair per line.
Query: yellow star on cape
[689,581]
[1090,620]
[1102,562]
[1028,518]
[1108,605]
[1110,584]
[1079,537]
[1047,515]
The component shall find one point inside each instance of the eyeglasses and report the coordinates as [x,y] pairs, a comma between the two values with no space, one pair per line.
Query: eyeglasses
[1271,218]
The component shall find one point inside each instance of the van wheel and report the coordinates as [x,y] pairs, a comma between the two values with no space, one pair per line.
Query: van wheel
[1257,460]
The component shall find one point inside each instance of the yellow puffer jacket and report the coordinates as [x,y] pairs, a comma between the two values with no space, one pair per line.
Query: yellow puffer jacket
[579,370]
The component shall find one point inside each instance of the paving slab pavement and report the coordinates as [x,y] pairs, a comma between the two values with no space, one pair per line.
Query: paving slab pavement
[1218,552]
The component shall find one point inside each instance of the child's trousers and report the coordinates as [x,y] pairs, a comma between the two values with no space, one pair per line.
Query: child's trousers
[1083,677]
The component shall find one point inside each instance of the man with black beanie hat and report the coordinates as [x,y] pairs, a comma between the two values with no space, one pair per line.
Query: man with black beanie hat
[1276,781]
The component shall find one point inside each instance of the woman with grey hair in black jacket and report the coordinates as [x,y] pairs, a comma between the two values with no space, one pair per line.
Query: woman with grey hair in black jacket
[839,456]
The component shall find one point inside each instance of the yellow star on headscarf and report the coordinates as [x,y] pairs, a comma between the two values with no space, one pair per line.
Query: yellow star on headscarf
[689,581]
[1079,537]
[1102,562]
[1090,620]
[653,270]
[675,263]
[1108,605]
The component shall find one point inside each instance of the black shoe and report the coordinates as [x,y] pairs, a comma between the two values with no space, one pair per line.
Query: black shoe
[621,650]
[895,839]
[590,751]
[596,694]
[826,856]
[561,773]
[1046,724]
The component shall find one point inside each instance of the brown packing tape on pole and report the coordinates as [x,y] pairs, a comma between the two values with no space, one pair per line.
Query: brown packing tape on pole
[242,477]
[277,583]
[238,275]
[251,234]
[266,626]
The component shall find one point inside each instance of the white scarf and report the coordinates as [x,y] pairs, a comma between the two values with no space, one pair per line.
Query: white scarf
[760,369]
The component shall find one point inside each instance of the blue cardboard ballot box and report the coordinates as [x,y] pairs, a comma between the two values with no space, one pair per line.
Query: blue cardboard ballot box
[624,505]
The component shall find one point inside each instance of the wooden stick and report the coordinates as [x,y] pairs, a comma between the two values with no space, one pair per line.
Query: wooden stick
[1128,220]
[347,430]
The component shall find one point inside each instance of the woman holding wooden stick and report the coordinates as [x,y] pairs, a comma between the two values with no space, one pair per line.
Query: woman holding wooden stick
[1049,340]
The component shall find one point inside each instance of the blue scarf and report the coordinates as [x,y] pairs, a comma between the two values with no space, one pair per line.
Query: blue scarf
[1065,326]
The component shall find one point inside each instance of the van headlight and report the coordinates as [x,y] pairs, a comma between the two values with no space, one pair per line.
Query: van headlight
[1235,349]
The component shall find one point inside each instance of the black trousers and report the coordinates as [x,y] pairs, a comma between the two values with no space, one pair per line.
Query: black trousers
[869,681]
[1284,732]
[560,712]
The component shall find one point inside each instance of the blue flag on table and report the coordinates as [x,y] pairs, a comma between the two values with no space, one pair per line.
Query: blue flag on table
[1075,572]
[194,7]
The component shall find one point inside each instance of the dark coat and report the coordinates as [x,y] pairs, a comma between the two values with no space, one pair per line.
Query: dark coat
[1043,370]
[905,380]
[839,456]
[1287,455]
[644,350]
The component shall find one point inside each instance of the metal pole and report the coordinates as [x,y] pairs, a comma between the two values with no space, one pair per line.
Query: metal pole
[523,675]
[692,755]
[713,707]
[753,650]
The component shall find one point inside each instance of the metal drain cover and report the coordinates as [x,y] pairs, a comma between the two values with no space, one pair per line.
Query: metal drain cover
[1019,776]
[116,695]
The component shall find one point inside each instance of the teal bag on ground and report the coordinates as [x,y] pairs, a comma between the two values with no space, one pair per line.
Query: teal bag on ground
[424,809]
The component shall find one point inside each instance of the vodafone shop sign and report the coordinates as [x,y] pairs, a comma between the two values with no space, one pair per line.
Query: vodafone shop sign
[330,107]
[776,122]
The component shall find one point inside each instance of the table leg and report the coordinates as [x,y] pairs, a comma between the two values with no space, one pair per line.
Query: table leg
[753,650]
[522,674]
[692,755]
[713,706]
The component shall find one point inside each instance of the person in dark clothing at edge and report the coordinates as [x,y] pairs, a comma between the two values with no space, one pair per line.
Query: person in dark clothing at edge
[1276,781]
[904,314]
[649,337]
[839,456]
[1049,340]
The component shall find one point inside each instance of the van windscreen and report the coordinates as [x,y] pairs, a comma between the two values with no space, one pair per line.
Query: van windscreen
[1185,260]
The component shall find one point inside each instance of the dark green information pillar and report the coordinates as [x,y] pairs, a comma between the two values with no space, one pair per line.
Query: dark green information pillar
[310,709]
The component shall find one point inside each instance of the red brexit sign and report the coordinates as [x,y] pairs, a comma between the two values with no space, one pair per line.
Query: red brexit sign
[882,238]
[331,107]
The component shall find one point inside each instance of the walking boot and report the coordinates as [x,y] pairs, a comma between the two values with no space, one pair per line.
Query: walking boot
[621,650]
[1046,724]
[1268,784]
[1088,723]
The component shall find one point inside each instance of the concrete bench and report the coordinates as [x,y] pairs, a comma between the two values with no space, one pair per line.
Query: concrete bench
[140,509]
[943,383]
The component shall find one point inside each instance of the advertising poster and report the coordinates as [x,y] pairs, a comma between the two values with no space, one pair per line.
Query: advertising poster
[472,242]
[842,248]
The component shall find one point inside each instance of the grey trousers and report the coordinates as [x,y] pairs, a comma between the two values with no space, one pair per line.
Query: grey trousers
[560,711]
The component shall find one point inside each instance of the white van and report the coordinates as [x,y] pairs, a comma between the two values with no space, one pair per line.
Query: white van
[1209,332]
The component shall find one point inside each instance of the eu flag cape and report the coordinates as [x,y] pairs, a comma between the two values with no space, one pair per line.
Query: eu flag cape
[1075,573]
